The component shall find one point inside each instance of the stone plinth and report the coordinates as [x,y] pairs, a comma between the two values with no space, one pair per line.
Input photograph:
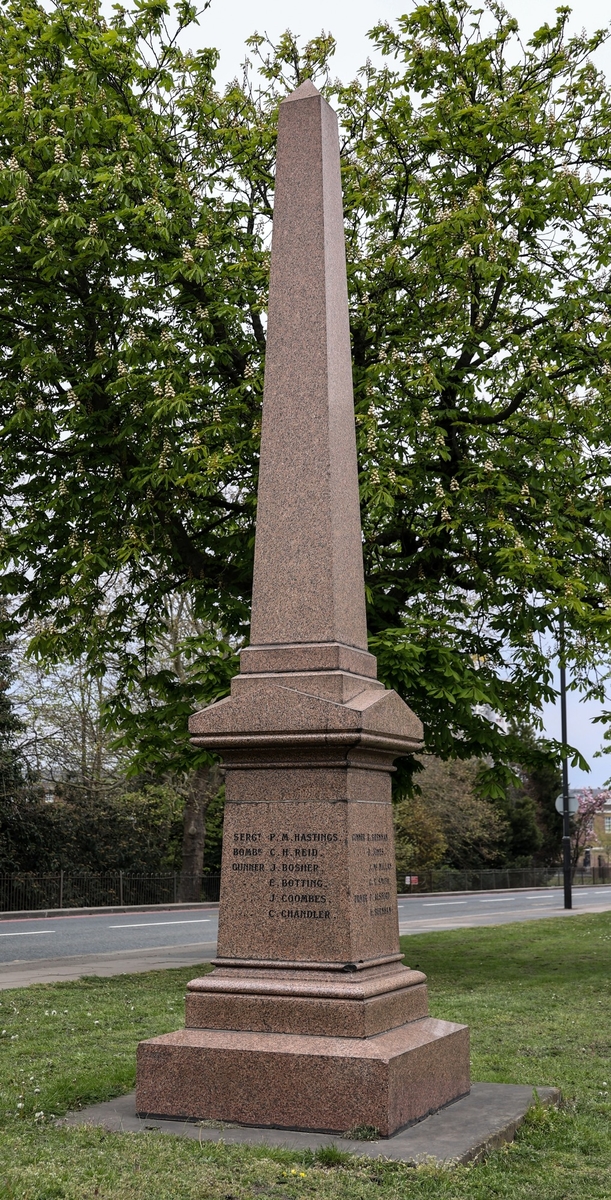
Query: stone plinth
[309,1020]
[294,1081]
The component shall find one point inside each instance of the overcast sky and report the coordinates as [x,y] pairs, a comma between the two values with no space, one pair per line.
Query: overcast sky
[228,23]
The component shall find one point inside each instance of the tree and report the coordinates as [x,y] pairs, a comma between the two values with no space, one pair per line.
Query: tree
[477,180]
[134,254]
[63,732]
[204,787]
[11,767]
[473,828]
[542,783]
[419,840]
[125,348]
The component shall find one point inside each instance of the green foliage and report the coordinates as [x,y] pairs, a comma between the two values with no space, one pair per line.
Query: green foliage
[530,811]
[92,832]
[213,845]
[420,841]
[524,838]
[476,181]
[11,775]
[132,286]
[134,233]
[448,799]
[545,784]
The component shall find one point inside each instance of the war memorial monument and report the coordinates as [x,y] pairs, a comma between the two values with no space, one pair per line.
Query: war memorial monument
[309,1020]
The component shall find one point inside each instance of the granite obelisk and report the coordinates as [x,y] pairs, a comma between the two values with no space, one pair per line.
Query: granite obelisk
[309,1019]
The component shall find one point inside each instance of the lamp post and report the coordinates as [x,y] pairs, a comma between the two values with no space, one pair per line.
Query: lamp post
[566,813]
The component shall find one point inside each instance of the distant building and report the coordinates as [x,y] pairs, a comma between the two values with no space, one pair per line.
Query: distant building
[597,853]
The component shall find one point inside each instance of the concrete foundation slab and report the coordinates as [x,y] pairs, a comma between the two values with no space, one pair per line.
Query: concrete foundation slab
[462,1132]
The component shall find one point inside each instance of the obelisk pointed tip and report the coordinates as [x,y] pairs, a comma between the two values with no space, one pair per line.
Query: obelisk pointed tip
[303,92]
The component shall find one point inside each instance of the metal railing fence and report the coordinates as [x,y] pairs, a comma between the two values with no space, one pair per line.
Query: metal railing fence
[28,892]
[497,878]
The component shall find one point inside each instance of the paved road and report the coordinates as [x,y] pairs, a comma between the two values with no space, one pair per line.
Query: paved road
[41,949]
[423,914]
[107,933]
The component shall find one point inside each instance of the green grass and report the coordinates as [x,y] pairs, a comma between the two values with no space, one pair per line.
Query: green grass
[537,997]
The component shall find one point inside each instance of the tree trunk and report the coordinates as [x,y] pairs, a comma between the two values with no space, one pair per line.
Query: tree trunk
[204,787]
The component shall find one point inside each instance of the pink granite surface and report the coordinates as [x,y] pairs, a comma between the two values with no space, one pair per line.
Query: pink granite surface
[321,656]
[337,1017]
[304,1082]
[314,879]
[308,581]
[357,1005]
[309,1020]
[358,985]
[284,708]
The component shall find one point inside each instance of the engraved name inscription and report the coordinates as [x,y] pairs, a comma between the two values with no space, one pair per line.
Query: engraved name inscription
[299,874]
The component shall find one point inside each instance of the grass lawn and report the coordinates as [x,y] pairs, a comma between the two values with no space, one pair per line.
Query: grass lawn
[537,997]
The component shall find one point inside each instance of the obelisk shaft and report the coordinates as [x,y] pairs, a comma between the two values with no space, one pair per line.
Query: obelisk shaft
[308,579]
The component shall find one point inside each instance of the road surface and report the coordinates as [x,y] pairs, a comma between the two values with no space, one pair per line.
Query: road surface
[41,949]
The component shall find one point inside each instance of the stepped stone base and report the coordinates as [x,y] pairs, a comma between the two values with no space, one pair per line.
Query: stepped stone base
[295,1081]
